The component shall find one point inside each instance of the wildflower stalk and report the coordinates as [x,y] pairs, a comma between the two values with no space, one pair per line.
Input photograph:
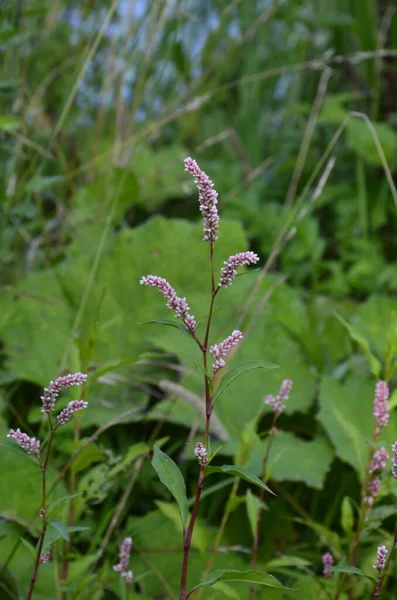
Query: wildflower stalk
[382,575]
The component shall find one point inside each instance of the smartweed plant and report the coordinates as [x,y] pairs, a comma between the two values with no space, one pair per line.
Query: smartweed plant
[33,446]
[167,470]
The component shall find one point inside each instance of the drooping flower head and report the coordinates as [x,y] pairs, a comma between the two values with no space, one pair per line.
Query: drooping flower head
[201,453]
[208,200]
[229,271]
[220,351]
[394,460]
[52,391]
[328,562]
[380,558]
[381,406]
[66,414]
[30,444]
[379,460]
[278,403]
[124,556]
[179,305]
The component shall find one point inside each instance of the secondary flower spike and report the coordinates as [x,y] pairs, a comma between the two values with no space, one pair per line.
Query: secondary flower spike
[380,558]
[381,406]
[379,460]
[31,445]
[52,391]
[220,351]
[208,200]
[229,271]
[328,562]
[179,305]
[66,414]
[394,460]
[201,453]
[278,403]
[124,558]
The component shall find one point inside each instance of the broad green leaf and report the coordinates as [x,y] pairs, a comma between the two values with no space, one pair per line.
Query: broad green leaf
[9,123]
[87,457]
[246,576]
[170,476]
[287,561]
[226,590]
[239,472]
[169,323]
[51,507]
[236,372]
[29,547]
[61,529]
[350,571]
[347,515]
[77,568]
[363,344]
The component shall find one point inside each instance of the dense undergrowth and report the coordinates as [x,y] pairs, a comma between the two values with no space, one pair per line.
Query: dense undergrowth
[289,106]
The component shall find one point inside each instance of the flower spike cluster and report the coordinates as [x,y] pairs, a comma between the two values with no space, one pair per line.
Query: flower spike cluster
[46,557]
[229,271]
[31,445]
[52,391]
[220,351]
[380,559]
[124,558]
[328,562]
[66,414]
[179,305]
[201,453]
[379,460]
[381,406]
[208,200]
[278,403]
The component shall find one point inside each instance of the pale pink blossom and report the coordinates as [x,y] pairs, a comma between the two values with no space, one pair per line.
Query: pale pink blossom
[229,271]
[30,444]
[220,351]
[208,200]
[66,414]
[179,305]
[124,556]
[381,405]
[394,460]
[46,557]
[373,489]
[379,460]
[328,562]
[380,558]
[52,391]
[201,453]
[277,403]
[128,576]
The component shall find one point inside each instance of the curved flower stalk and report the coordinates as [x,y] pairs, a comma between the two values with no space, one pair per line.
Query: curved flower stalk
[34,447]
[122,566]
[208,205]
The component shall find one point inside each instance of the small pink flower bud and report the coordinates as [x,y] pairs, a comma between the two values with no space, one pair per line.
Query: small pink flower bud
[51,393]
[201,453]
[373,489]
[66,414]
[220,351]
[229,271]
[124,556]
[128,576]
[328,562]
[379,460]
[31,445]
[179,305]
[208,200]
[381,406]
[278,403]
[46,557]
[42,513]
[380,559]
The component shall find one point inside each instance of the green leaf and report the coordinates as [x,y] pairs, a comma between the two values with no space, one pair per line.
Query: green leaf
[168,322]
[59,500]
[87,457]
[236,372]
[61,529]
[351,571]
[170,476]
[363,344]
[239,472]
[9,123]
[361,140]
[29,547]
[347,515]
[200,535]
[253,505]
[246,576]
[41,184]
[8,585]
[226,590]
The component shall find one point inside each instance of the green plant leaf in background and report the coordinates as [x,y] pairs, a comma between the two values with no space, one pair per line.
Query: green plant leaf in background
[236,372]
[246,576]
[253,505]
[241,472]
[363,344]
[351,571]
[170,476]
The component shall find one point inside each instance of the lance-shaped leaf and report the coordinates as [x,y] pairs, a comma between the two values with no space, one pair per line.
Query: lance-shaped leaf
[350,571]
[246,576]
[239,472]
[236,372]
[170,476]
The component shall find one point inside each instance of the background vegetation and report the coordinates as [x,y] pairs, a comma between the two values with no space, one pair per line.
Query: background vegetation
[290,107]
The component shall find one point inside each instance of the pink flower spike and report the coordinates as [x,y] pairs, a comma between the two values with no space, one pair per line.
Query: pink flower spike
[31,445]
[128,576]
[373,489]
[66,414]
[278,403]
[46,557]
[381,406]
[379,460]
[201,453]
[220,351]
[51,393]
[208,200]
[394,460]
[328,562]
[380,558]
[124,556]
[179,305]
[229,272]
